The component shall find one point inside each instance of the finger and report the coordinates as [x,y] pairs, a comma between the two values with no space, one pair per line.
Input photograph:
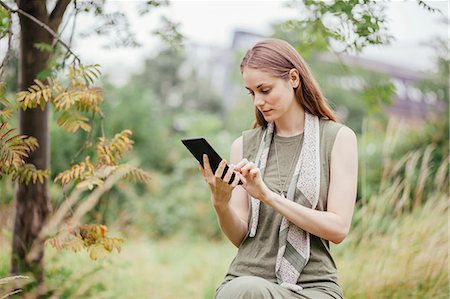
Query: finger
[201,169]
[229,173]
[241,164]
[245,170]
[254,173]
[219,170]
[235,182]
[206,165]
[244,180]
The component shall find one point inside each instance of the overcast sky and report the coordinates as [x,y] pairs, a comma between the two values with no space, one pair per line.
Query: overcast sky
[213,22]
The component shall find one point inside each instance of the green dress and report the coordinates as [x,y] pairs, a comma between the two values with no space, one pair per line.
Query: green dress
[252,272]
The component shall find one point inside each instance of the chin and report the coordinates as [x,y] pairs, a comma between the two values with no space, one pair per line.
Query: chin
[270,118]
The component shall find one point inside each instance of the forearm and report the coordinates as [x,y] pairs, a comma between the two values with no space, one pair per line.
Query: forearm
[324,224]
[231,225]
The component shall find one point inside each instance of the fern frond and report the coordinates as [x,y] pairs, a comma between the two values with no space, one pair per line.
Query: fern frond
[87,73]
[85,99]
[92,237]
[37,94]
[137,175]
[77,172]
[31,142]
[13,148]
[6,113]
[110,152]
[105,171]
[71,121]
[64,100]
[89,99]
[28,173]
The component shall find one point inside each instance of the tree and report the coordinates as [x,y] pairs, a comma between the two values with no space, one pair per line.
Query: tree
[38,43]
[32,206]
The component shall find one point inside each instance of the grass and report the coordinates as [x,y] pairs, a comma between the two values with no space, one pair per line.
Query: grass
[410,260]
[176,268]
[398,247]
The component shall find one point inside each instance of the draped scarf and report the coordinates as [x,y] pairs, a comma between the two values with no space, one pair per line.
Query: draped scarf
[294,242]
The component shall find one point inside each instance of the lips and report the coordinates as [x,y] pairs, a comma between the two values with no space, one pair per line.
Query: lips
[266,111]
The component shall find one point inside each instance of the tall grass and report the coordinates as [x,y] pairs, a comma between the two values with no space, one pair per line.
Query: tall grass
[398,246]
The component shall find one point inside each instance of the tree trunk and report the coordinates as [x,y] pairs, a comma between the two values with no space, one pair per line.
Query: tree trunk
[32,201]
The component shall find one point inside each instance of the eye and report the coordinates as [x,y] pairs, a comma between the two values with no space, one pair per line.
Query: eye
[265,90]
[251,93]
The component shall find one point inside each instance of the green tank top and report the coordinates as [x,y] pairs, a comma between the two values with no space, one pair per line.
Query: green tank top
[257,256]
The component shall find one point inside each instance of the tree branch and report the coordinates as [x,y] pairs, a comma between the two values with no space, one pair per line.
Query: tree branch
[58,12]
[55,221]
[41,24]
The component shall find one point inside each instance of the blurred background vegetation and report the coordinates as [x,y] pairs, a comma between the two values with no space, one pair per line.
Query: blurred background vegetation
[398,244]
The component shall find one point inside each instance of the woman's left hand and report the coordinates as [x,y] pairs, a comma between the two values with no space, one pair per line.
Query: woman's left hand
[252,179]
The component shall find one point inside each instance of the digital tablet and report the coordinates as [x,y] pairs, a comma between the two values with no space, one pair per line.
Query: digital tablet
[198,147]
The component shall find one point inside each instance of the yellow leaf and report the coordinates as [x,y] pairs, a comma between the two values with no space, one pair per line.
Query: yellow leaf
[75,244]
[108,244]
[97,251]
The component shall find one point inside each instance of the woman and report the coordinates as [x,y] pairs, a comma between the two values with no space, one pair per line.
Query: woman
[299,172]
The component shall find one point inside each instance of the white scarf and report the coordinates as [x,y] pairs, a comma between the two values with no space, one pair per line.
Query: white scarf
[294,243]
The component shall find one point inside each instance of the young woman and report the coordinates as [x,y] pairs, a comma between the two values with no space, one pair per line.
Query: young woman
[299,172]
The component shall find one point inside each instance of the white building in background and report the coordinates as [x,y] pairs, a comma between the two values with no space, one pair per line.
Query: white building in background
[217,65]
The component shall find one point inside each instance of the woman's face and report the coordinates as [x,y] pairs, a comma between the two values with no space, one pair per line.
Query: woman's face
[271,95]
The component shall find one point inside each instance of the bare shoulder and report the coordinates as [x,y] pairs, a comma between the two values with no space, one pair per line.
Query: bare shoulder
[345,134]
[345,142]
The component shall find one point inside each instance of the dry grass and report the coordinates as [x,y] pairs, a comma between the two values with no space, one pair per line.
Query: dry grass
[410,260]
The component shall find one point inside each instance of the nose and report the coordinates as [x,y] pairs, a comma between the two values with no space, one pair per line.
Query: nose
[259,101]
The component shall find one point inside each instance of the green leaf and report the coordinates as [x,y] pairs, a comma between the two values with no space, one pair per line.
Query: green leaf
[43,47]
[42,104]
[42,75]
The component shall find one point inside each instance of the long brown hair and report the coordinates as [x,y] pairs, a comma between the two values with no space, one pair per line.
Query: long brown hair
[278,57]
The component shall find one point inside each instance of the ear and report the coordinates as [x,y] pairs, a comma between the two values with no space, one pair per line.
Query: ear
[294,78]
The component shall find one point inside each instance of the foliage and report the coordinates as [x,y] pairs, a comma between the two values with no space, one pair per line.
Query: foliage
[71,100]
[352,91]
[117,27]
[110,152]
[76,98]
[170,33]
[403,151]
[436,82]
[92,237]
[408,259]
[428,7]
[402,219]
[347,26]
[14,148]
[4,22]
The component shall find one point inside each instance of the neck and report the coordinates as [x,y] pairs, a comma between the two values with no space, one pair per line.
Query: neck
[291,123]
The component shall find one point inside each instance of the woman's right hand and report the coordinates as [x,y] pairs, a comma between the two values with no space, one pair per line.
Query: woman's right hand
[220,188]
